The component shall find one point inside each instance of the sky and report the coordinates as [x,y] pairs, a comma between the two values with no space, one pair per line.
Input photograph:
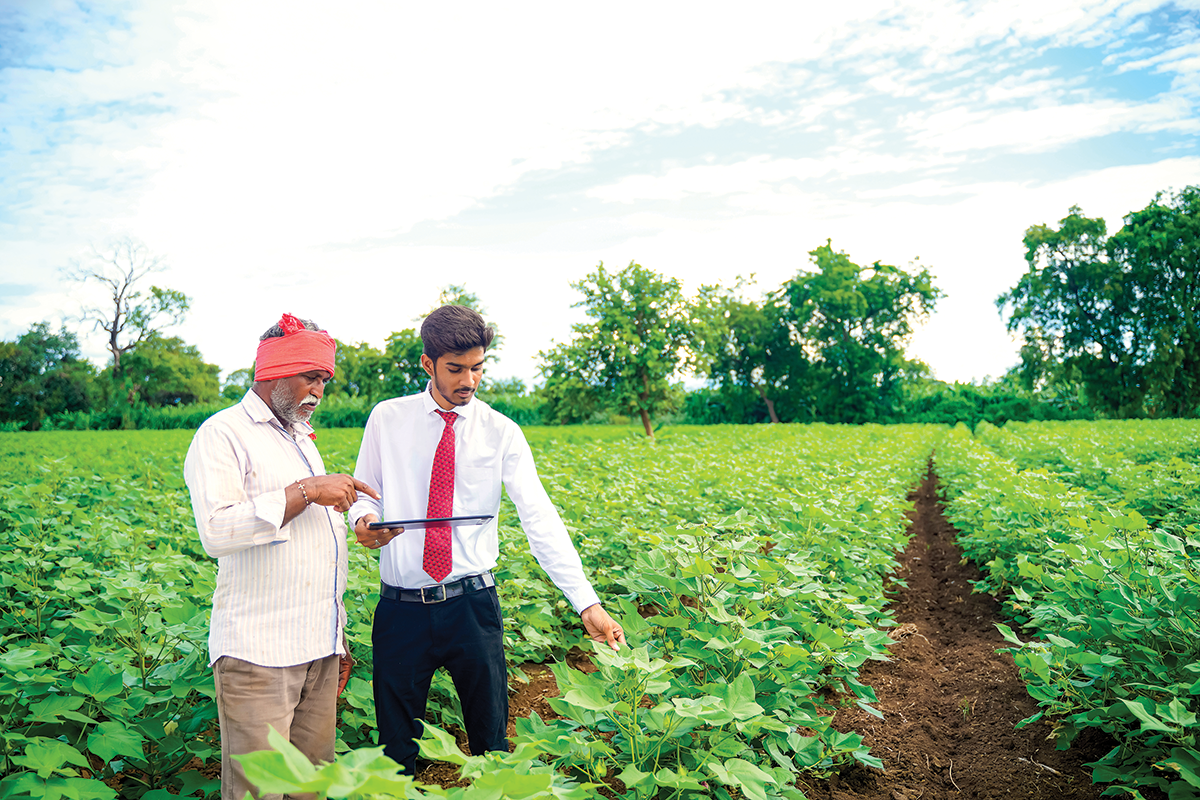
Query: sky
[344,162]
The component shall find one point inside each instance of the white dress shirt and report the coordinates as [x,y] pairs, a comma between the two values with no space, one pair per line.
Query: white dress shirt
[278,599]
[396,457]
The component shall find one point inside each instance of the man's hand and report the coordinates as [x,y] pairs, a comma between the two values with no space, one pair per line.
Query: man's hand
[345,664]
[601,627]
[374,539]
[338,491]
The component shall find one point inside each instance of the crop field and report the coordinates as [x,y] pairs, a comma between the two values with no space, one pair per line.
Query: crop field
[751,567]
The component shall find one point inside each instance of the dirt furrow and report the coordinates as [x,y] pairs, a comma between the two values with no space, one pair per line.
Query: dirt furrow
[950,702]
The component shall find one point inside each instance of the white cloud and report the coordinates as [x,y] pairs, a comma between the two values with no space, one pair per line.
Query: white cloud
[277,153]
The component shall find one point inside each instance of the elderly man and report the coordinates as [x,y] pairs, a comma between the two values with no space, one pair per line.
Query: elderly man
[439,454]
[273,519]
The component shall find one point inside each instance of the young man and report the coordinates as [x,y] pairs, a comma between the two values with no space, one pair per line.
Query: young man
[269,514]
[438,454]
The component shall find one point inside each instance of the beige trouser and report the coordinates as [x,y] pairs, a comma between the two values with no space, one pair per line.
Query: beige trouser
[300,702]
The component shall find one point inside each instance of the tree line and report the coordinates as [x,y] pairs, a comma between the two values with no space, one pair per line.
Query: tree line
[1108,325]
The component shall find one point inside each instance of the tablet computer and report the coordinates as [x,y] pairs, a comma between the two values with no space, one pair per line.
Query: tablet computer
[435,522]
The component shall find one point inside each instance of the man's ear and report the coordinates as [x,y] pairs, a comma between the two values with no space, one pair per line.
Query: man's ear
[427,364]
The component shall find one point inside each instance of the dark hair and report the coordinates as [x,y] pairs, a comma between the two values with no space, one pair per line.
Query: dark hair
[274,332]
[454,329]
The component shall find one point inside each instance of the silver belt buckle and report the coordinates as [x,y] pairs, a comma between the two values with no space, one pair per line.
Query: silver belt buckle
[435,599]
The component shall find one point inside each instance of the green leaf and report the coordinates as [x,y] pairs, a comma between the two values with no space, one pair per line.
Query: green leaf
[632,776]
[867,708]
[159,794]
[114,738]
[99,683]
[738,697]
[282,770]
[52,707]
[590,696]
[438,745]
[1148,720]
[22,659]
[738,772]
[511,784]
[679,779]
[1186,762]
[47,756]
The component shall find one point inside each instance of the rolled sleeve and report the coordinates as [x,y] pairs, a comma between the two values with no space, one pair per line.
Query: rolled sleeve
[228,520]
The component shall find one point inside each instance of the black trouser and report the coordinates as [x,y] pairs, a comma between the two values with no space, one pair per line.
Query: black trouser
[465,634]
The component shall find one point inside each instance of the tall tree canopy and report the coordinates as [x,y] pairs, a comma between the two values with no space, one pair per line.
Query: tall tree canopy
[627,356]
[131,314]
[42,374]
[1159,246]
[166,371]
[854,323]
[746,350]
[1115,314]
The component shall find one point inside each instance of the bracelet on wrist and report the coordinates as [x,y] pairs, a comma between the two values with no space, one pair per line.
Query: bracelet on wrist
[307,502]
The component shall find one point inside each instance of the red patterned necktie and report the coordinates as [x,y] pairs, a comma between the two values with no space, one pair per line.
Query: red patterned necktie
[437,558]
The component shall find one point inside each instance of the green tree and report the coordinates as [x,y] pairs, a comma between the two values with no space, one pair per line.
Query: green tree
[627,356]
[854,323]
[1159,248]
[237,383]
[1115,315]
[358,372]
[402,371]
[746,350]
[130,315]
[166,371]
[42,374]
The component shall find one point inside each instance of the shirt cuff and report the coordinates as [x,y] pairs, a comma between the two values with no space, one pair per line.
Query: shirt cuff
[270,508]
[582,599]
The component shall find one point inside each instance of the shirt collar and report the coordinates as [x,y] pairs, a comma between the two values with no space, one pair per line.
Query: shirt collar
[258,411]
[431,405]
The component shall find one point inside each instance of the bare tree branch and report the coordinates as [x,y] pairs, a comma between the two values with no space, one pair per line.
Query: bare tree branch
[131,315]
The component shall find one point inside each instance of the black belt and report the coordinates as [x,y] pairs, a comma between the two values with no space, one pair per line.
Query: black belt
[438,592]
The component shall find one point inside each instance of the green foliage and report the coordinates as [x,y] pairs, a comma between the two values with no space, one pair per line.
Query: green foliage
[237,383]
[626,357]
[1112,596]
[995,403]
[102,659]
[358,372]
[369,773]
[106,589]
[758,557]
[42,374]
[1116,314]
[402,371]
[745,348]
[855,322]
[510,397]
[1160,246]
[168,372]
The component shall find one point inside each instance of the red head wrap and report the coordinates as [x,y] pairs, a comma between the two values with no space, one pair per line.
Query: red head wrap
[298,350]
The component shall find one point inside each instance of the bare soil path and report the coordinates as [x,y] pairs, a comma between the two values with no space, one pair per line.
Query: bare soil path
[950,702]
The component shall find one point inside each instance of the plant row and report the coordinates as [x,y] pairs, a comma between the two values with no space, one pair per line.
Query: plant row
[1150,466]
[1109,604]
[747,565]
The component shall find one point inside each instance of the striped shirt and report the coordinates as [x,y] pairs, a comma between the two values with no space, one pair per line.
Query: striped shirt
[278,599]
